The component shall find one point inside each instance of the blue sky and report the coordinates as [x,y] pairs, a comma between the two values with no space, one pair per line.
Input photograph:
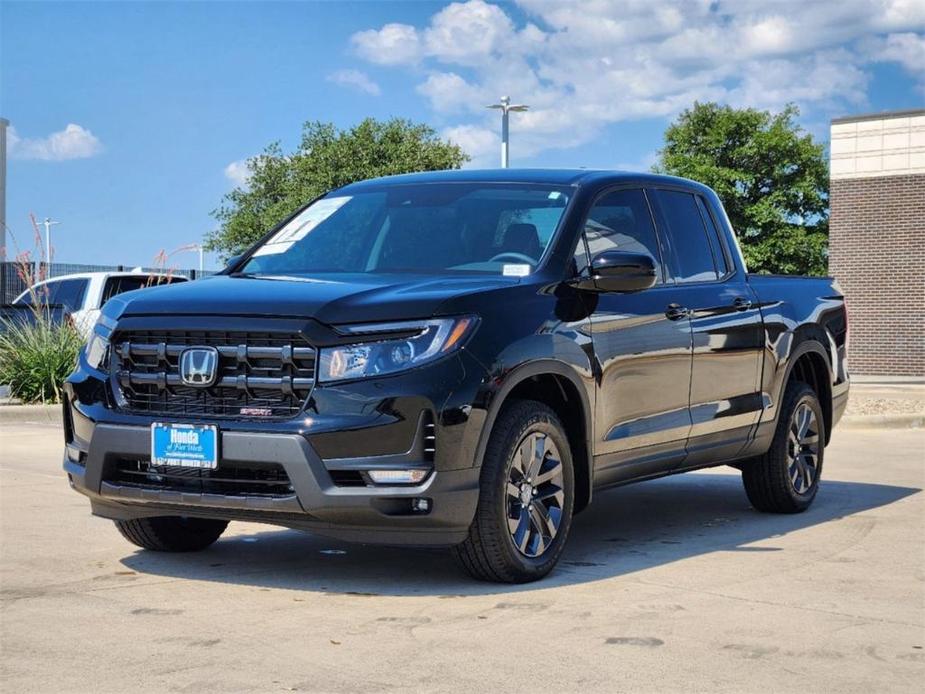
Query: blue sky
[131,120]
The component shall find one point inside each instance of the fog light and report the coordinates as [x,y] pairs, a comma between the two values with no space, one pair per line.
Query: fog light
[74,454]
[420,505]
[397,476]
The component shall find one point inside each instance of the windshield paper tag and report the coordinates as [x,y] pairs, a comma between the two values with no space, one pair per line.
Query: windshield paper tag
[298,228]
[519,270]
[273,248]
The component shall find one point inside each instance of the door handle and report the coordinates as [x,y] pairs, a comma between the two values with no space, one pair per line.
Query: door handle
[742,304]
[676,312]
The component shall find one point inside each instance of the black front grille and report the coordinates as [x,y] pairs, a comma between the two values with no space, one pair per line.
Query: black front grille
[228,479]
[260,374]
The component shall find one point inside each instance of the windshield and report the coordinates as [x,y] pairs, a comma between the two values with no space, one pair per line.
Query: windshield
[425,228]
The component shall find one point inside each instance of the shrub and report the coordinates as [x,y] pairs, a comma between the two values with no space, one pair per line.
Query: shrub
[36,356]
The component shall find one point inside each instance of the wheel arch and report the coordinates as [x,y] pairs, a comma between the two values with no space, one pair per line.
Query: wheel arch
[558,386]
[809,362]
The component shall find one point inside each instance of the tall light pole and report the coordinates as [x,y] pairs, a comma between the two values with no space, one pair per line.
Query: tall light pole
[49,223]
[506,107]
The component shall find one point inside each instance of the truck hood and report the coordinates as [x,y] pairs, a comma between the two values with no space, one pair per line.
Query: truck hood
[331,299]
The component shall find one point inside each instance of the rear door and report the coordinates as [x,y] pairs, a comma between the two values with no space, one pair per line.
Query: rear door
[643,349]
[726,326]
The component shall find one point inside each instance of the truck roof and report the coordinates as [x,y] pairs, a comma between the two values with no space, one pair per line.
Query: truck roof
[559,177]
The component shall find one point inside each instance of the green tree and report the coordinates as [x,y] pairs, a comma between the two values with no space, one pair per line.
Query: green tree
[771,175]
[327,158]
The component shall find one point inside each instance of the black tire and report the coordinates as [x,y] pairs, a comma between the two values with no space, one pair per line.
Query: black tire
[489,552]
[172,533]
[769,478]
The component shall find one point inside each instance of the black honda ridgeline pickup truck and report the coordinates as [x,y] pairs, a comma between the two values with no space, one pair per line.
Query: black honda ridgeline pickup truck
[460,359]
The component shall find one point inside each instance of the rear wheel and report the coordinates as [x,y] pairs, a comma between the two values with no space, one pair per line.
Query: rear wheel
[526,498]
[786,478]
[172,533]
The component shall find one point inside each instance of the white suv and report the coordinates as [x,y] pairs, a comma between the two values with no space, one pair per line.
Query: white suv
[84,294]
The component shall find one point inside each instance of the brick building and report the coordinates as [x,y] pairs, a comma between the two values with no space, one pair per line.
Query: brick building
[877,238]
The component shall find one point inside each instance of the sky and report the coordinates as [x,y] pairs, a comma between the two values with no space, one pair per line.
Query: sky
[131,120]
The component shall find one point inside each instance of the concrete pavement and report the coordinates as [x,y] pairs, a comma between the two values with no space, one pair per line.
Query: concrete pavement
[668,586]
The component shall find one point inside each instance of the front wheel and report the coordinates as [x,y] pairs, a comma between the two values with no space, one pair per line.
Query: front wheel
[172,533]
[526,498]
[786,478]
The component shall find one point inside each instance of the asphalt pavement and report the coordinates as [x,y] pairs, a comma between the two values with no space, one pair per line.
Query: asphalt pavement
[675,585]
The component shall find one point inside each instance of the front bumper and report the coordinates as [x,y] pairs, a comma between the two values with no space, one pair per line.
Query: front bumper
[366,514]
[359,426]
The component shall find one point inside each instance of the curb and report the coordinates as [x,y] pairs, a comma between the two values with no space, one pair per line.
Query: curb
[31,414]
[882,421]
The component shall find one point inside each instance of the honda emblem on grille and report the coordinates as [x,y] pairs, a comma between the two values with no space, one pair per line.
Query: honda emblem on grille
[199,366]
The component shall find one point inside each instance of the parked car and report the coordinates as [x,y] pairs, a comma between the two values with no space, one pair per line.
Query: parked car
[84,294]
[459,358]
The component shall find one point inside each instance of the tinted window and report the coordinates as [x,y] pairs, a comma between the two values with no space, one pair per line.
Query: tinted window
[716,244]
[68,293]
[621,221]
[120,285]
[692,259]
[500,228]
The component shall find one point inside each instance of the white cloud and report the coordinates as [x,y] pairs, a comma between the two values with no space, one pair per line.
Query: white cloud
[466,32]
[482,144]
[393,44]
[907,49]
[450,93]
[74,142]
[824,78]
[600,62]
[355,79]
[238,173]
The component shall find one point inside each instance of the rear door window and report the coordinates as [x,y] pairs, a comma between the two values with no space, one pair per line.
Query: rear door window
[691,257]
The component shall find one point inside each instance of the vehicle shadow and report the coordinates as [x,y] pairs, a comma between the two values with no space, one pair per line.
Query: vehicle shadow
[625,530]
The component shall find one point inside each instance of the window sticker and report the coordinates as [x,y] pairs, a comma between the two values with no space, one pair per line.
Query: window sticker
[273,248]
[298,227]
[515,270]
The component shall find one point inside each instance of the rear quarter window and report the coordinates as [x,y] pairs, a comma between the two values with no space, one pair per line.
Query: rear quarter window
[716,243]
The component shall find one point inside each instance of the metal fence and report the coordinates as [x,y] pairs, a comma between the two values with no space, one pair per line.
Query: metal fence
[12,282]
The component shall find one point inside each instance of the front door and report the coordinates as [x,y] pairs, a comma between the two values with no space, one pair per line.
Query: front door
[642,345]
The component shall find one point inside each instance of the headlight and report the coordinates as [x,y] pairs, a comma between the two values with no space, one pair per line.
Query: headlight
[420,342]
[97,350]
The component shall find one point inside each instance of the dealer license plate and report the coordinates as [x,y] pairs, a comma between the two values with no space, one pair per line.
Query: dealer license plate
[184,445]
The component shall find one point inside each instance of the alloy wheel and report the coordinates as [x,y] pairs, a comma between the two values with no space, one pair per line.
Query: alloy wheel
[803,448]
[535,494]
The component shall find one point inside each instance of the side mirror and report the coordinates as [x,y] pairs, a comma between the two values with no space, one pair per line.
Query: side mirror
[620,271]
[232,261]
